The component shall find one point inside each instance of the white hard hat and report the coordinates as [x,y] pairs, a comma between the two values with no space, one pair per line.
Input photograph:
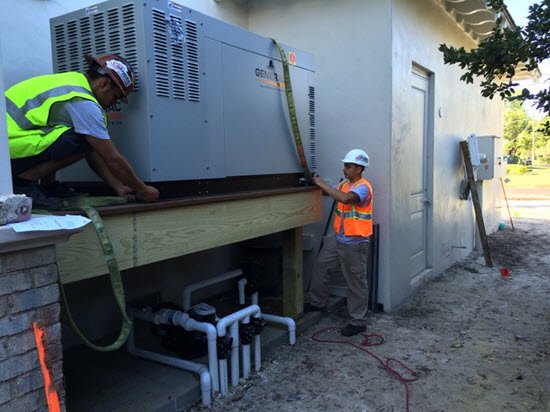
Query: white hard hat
[357,156]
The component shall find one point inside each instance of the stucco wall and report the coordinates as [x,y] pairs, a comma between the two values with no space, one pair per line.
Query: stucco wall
[350,41]
[459,110]
[5,169]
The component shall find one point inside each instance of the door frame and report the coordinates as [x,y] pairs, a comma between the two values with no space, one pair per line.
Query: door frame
[429,77]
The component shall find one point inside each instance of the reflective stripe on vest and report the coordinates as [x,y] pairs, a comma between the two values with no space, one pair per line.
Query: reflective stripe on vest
[357,220]
[28,106]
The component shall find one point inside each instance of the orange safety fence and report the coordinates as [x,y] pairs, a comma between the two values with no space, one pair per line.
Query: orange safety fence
[49,386]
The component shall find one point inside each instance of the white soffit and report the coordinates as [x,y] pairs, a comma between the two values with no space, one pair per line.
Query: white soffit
[477,21]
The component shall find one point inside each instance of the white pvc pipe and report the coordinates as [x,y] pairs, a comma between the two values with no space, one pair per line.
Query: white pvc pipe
[187,290]
[240,285]
[289,322]
[221,327]
[187,323]
[234,333]
[200,369]
[178,318]
[246,353]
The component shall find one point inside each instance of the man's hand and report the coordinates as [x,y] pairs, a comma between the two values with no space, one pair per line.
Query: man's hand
[318,181]
[126,192]
[150,194]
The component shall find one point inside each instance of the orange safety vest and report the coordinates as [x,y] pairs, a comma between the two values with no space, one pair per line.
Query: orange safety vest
[357,220]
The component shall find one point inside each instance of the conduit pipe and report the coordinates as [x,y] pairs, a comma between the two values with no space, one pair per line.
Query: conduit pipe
[187,290]
[221,327]
[289,322]
[200,369]
[246,352]
[234,334]
[178,318]
[240,285]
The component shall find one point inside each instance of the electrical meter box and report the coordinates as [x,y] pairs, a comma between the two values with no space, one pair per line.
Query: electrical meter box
[494,166]
[209,101]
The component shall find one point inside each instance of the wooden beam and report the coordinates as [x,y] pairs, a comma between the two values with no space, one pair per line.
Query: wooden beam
[293,289]
[477,205]
[143,237]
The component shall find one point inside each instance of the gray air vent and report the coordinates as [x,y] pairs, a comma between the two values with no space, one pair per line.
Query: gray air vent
[192,48]
[313,156]
[160,48]
[168,48]
[113,31]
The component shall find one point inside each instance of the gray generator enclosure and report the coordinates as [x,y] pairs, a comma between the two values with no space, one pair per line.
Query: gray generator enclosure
[209,100]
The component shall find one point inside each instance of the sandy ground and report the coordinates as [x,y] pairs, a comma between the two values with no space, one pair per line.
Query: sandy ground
[475,341]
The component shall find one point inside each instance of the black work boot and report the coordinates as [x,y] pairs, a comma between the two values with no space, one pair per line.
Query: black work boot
[352,330]
[39,199]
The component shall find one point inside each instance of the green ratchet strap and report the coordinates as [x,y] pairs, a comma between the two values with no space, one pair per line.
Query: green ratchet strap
[116,283]
[93,201]
[292,114]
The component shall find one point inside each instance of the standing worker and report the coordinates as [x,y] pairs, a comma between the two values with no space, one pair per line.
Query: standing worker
[55,120]
[350,248]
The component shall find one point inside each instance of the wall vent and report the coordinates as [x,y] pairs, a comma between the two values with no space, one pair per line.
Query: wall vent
[178,58]
[160,50]
[192,49]
[312,142]
[110,32]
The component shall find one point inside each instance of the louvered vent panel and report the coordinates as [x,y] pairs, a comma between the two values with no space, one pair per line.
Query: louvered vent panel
[114,24]
[74,49]
[160,49]
[85,39]
[192,50]
[312,141]
[178,64]
[61,48]
[111,32]
[100,41]
[129,39]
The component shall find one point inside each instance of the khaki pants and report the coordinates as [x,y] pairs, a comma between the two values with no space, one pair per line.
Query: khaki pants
[352,260]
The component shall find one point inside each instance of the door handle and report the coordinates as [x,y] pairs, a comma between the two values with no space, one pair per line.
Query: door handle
[428,202]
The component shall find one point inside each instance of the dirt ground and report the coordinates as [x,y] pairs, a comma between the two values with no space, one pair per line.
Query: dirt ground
[475,340]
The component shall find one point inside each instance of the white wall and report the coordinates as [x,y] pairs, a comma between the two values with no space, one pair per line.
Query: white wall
[351,42]
[5,169]
[418,29]
[364,53]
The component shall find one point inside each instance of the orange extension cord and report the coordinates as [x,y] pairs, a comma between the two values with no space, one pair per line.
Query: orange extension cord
[368,341]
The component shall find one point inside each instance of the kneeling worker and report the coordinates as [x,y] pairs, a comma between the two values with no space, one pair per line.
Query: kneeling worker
[350,248]
[56,120]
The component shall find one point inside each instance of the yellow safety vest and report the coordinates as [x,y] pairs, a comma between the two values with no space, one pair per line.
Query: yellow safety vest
[357,220]
[28,106]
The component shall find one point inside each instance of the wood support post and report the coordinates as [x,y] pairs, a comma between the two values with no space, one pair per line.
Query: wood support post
[293,288]
[477,206]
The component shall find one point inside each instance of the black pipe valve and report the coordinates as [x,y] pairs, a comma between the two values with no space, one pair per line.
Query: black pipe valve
[258,324]
[246,333]
[223,345]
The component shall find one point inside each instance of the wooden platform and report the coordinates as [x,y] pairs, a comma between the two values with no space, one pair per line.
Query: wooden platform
[147,233]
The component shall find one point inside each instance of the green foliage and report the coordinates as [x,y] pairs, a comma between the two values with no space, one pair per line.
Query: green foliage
[497,57]
[516,169]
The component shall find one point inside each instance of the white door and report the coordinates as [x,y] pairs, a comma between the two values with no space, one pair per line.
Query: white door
[420,165]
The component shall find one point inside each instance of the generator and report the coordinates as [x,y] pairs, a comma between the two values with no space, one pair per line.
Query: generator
[209,101]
